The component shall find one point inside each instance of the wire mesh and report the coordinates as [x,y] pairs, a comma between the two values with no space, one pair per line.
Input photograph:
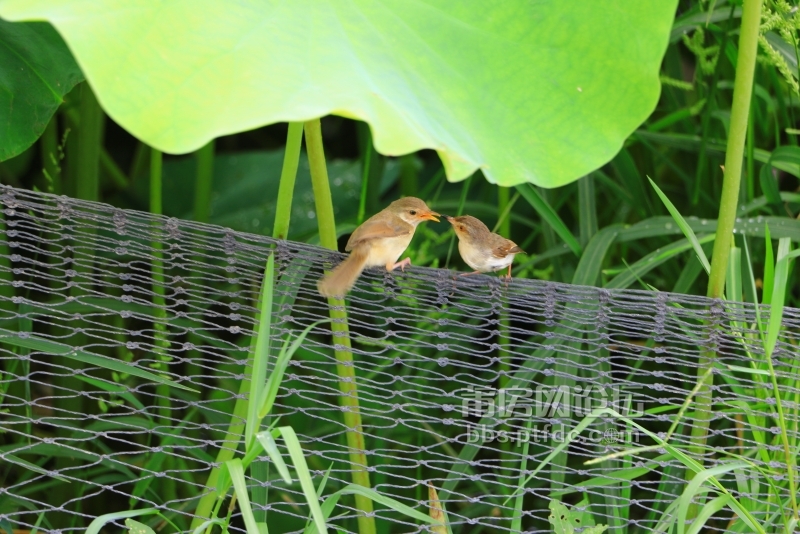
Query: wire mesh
[467,384]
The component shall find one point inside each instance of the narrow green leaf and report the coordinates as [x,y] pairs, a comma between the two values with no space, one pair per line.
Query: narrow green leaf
[10,458]
[60,349]
[769,268]
[100,522]
[587,209]
[591,262]
[685,228]
[397,506]
[236,472]
[685,500]
[769,185]
[653,260]
[270,392]
[548,214]
[750,370]
[733,283]
[117,389]
[258,373]
[206,524]
[299,461]
[778,294]
[710,508]
[616,476]
[271,448]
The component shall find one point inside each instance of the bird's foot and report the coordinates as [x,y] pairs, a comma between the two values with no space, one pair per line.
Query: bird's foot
[456,277]
[402,264]
[506,277]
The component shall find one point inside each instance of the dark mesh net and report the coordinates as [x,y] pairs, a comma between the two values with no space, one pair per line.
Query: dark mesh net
[467,384]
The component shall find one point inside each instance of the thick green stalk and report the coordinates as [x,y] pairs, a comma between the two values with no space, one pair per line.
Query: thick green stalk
[734,156]
[202,182]
[409,182]
[503,194]
[366,166]
[90,138]
[161,344]
[291,158]
[341,333]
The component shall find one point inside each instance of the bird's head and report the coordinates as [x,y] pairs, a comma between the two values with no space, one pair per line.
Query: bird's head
[413,211]
[468,227]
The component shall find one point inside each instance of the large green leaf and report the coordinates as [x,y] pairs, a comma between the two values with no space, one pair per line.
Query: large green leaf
[36,71]
[540,91]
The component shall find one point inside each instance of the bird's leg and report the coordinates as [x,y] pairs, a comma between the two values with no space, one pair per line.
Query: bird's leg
[402,264]
[507,278]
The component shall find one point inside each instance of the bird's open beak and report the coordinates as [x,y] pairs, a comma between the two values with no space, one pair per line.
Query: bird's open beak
[432,216]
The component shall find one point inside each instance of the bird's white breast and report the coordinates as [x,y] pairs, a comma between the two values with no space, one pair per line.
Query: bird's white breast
[483,261]
[387,250]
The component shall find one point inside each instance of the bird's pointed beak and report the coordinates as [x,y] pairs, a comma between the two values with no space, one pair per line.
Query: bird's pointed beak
[432,216]
[449,219]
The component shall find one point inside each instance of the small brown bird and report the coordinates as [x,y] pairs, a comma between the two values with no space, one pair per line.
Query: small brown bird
[378,242]
[481,249]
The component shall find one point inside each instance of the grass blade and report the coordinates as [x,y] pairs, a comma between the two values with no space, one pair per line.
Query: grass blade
[548,214]
[33,467]
[652,260]
[591,262]
[270,392]
[685,228]
[393,504]
[778,295]
[301,467]
[236,472]
[53,347]
[261,356]
[271,448]
[99,522]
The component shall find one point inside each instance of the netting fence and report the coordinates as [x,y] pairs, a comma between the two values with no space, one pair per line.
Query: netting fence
[467,384]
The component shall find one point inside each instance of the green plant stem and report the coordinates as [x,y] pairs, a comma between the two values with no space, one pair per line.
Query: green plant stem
[160,342]
[503,195]
[341,333]
[409,182]
[233,436]
[50,156]
[742,92]
[734,155]
[291,159]
[203,180]
[159,303]
[90,137]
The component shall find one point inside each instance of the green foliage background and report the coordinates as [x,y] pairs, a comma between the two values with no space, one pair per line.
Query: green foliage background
[588,215]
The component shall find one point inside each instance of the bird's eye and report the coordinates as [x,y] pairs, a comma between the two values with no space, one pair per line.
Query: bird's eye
[413,212]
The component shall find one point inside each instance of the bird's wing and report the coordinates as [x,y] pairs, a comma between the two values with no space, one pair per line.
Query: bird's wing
[376,228]
[502,247]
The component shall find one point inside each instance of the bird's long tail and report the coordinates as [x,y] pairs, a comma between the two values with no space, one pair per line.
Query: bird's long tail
[341,280]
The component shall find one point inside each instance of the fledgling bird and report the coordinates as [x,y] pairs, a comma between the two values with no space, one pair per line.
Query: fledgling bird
[482,249]
[378,242]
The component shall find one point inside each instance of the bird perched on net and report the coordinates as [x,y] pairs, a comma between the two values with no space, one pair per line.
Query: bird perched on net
[482,249]
[378,242]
